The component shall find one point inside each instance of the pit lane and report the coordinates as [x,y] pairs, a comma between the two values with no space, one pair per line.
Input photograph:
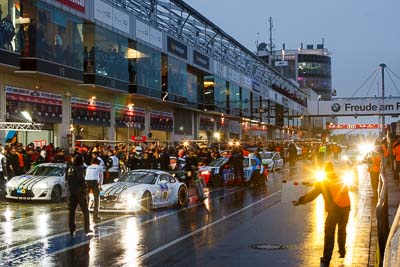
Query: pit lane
[39,234]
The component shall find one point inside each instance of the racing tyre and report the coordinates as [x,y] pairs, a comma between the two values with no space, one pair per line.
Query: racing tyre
[146,202]
[216,179]
[182,196]
[56,194]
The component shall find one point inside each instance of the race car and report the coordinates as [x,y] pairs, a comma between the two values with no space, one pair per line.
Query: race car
[254,171]
[218,172]
[272,160]
[142,190]
[43,182]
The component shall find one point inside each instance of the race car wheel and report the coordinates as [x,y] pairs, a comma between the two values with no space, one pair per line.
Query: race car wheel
[182,196]
[146,202]
[56,194]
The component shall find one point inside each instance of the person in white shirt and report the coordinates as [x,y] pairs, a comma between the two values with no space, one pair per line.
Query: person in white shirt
[94,180]
[112,164]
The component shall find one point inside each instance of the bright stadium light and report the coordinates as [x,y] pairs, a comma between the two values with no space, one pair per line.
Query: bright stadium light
[27,116]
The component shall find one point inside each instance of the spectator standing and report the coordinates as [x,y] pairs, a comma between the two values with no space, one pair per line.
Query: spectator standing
[13,163]
[77,193]
[112,164]
[94,180]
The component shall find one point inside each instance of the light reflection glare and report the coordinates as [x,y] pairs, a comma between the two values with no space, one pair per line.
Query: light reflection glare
[8,214]
[42,224]
[319,217]
[351,231]
[131,240]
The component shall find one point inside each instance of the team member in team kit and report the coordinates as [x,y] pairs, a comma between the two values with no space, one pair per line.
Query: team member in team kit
[94,180]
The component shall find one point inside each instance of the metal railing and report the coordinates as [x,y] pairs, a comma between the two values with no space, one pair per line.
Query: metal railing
[392,249]
[382,216]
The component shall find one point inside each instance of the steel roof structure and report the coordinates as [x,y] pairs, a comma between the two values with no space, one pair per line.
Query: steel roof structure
[180,20]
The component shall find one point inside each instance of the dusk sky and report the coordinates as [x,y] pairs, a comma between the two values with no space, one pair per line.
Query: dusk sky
[360,34]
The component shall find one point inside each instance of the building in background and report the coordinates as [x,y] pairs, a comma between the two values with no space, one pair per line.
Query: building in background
[310,67]
[117,70]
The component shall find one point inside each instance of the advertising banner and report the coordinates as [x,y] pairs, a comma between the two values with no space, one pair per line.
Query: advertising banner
[206,123]
[356,106]
[201,60]
[220,69]
[234,76]
[162,121]
[129,116]
[90,112]
[354,126]
[43,107]
[248,82]
[111,16]
[177,48]
[120,20]
[75,4]
[148,34]
[103,12]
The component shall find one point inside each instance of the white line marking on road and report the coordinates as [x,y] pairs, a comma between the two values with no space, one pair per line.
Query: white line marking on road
[126,216]
[152,253]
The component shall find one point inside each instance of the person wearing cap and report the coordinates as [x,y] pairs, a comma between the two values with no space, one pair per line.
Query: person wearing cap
[337,205]
[94,180]
[135,160]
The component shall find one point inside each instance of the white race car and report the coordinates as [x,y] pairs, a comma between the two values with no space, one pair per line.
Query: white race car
[142,190]
[272,160]
[43,182]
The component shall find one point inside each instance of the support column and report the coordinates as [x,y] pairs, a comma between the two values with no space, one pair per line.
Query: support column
[147,121]
[111,129]
[194,131]
[62,130]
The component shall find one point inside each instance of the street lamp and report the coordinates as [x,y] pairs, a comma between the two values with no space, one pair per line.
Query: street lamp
[319,98]
[27,116]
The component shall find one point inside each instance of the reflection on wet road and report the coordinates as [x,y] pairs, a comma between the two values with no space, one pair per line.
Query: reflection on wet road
[220,232]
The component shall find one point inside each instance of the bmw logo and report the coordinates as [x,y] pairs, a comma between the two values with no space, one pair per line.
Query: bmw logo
[335,107]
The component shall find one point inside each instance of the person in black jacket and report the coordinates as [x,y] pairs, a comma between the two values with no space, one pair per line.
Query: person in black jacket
[77,193]
[165,160]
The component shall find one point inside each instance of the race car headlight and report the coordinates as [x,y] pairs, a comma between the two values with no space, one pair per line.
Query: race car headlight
[320,175]
[348,178]
[130,200]
[10,184]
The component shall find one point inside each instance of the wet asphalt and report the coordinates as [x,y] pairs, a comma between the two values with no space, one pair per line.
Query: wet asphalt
[235,226]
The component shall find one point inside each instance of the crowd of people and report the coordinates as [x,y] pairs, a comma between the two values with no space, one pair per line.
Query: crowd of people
[21,159]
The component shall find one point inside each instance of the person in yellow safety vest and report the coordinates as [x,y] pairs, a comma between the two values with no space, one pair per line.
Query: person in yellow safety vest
[337,204]
[373,160]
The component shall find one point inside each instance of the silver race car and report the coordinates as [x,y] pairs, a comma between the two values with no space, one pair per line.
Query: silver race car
[43,182]
[142,190]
